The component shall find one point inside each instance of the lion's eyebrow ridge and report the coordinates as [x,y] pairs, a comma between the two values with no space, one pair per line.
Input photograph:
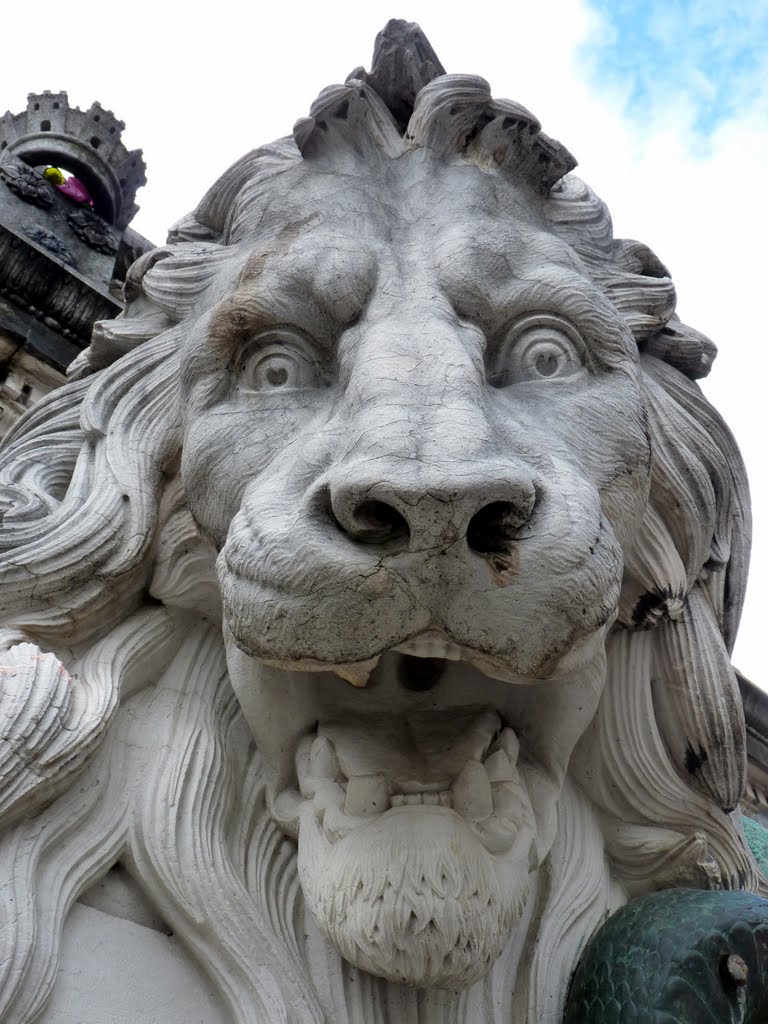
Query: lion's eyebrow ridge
[328,284]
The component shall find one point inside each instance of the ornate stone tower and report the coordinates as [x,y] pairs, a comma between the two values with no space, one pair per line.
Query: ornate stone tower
[65,243]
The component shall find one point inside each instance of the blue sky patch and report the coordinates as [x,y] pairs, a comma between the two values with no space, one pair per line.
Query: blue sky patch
[711,56]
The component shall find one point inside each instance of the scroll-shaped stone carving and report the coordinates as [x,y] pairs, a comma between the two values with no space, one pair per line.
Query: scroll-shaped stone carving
[411,451]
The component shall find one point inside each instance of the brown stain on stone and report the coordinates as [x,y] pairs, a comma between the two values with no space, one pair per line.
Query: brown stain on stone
[503,566]
[233,318]
[288,234]
[254,267]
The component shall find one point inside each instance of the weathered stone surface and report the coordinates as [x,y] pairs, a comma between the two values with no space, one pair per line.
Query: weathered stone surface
[389,558]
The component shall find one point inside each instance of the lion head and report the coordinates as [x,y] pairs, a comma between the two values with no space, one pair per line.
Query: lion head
[397,409]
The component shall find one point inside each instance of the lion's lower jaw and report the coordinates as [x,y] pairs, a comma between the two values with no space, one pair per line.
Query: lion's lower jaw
[413,897]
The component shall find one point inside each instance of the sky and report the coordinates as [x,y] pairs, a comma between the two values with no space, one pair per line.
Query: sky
[664,104]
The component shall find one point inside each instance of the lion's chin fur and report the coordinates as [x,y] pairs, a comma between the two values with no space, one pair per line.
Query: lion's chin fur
[412,897]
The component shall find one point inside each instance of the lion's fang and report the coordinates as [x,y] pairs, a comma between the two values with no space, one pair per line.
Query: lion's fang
[472,796]
[323,763]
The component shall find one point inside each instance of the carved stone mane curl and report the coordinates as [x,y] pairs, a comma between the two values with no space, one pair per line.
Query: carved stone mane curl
[102,566]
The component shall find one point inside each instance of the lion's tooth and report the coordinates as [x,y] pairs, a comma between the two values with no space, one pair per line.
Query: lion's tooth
[472,797]
[357,672]
[431,645]
[327,794]
[507,801]
[323,763]
[286,810]
[509,743]
[499,767]
[366,794]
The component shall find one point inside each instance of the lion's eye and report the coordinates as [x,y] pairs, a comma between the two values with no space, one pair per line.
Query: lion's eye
[538,347]
[278,362]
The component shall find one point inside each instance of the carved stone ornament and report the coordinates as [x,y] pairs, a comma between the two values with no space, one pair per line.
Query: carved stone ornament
[368,608]
[50,242]
[92,230]
[26,183]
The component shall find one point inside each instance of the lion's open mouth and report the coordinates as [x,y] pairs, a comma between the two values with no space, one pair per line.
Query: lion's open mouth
[357,764]
[428,733]
[428,795]
[472,771]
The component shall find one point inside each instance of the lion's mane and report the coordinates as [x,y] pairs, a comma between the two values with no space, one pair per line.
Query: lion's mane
[102,567]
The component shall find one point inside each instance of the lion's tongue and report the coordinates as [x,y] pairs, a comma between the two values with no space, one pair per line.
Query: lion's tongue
[416,751]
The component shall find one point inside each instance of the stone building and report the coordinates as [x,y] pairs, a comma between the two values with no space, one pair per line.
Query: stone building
[65,240]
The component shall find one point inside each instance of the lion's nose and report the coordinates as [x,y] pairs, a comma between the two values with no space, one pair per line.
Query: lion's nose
[488,516]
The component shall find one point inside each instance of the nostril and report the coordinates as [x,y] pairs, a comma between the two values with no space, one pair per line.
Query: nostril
[494,527]
[375,522]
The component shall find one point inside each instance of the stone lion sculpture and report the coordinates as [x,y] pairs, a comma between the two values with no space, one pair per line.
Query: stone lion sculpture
[368,592]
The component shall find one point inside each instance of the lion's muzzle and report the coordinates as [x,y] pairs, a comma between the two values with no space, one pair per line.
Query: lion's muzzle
[486,508]
[376,552]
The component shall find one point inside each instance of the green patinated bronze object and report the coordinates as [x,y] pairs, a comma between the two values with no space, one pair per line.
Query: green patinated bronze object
[684,956]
